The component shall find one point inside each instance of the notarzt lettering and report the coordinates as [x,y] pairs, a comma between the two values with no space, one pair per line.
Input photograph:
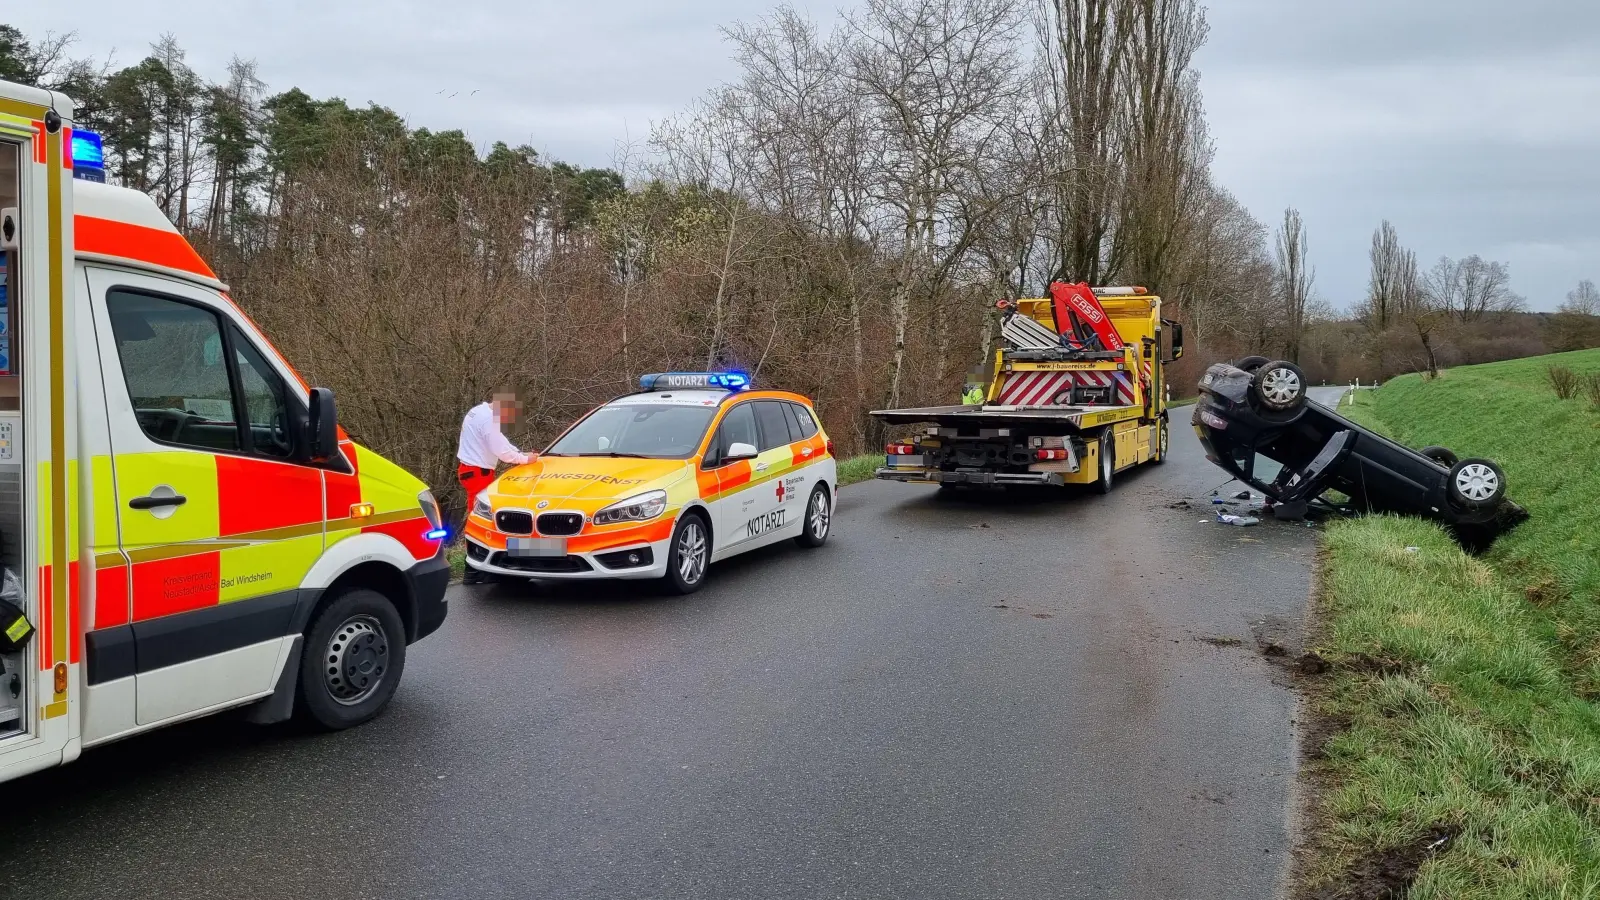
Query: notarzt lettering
[766,522]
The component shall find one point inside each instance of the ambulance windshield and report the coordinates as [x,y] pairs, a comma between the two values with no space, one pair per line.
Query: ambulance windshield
[648,430]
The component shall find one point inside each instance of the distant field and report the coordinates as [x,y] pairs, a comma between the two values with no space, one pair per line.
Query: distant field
[1457,748]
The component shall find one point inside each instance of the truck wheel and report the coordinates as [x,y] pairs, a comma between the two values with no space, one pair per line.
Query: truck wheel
[1251,363]
[1476,484]
[1108,463]
[1440,455]
[689,556]
[350,665]
[1161,444]
[819,518]
[1279,386]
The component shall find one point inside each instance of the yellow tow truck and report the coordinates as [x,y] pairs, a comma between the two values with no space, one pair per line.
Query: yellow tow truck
[1077,393]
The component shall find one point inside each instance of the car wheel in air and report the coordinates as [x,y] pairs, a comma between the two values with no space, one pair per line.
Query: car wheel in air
[1251,363]
[1440,455]
[1108,463]
[1476,484]
[689,556]
[351,660]
[1279,386]
[819,519]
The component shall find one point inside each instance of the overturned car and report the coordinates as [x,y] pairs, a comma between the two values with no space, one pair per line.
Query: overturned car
[1256,408]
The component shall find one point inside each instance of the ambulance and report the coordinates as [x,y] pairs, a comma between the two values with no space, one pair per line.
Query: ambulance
[693,468]
[184,528]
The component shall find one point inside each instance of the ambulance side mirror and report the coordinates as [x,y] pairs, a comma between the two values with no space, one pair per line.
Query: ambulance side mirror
[738,450]
[322,442]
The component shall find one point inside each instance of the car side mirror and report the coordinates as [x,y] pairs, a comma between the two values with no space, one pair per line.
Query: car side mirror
[323,427]
[1177,341]
[738,451]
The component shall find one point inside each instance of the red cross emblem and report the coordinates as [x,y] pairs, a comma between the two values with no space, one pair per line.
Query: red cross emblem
[780,492]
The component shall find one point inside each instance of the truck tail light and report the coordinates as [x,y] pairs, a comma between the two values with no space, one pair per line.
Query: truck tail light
[1052,455]
[900,450]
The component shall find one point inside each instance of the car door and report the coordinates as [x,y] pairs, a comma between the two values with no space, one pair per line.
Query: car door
[219,524]
[776,467]
[737,503]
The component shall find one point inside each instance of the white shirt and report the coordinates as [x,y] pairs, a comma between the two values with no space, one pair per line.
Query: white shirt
[482,444]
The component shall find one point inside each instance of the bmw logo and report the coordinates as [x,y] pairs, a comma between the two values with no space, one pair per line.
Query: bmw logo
[543,503]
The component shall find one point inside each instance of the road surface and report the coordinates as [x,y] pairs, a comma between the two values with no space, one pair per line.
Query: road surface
[955,698]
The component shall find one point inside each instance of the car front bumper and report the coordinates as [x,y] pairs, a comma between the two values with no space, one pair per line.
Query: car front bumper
[575,566]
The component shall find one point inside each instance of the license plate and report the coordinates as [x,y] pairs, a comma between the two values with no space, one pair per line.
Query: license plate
[1206,381]
[538,547]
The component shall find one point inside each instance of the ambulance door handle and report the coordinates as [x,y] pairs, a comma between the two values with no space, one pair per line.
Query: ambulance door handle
[158,501]
[761,467]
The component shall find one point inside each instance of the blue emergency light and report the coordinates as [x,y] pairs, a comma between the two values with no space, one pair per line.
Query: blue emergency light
[666,381]
[88,156]
[436,534]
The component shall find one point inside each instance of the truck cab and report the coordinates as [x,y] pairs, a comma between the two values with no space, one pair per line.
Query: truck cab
[184,527]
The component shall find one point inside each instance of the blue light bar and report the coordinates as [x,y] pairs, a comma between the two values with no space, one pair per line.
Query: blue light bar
[437,534]
[88,156]
[666,381]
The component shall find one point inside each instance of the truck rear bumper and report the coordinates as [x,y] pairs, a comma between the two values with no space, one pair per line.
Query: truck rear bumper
[997,479]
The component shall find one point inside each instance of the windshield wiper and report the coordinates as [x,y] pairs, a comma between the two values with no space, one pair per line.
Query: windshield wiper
[615,455]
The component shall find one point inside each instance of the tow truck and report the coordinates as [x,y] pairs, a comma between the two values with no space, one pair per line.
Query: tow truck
[1077,393]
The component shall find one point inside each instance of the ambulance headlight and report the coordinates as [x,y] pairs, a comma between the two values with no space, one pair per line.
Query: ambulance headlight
[430,508]
[634,509]
[480,507]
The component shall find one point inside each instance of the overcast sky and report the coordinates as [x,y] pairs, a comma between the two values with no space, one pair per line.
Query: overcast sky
[1473,125]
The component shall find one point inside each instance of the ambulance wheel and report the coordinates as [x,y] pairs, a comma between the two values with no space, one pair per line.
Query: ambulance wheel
[1108,463]
[350,663]
[689,555]
[1476,484]
[819,519]
[1161,444]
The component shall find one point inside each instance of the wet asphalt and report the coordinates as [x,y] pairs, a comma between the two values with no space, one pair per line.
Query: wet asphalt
[957,697]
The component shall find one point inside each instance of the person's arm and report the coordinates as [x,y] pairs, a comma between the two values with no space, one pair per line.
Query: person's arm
[503,448]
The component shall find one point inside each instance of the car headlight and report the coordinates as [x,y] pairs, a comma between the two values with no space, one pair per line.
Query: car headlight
[634,509]
[480,507]
[430,508]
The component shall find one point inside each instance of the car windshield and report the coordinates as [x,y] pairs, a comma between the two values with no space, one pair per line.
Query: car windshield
[652,431]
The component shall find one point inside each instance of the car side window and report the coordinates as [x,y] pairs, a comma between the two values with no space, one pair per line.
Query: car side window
[804,421]
[774,424]
[738,427]
[175,370]
[266,400]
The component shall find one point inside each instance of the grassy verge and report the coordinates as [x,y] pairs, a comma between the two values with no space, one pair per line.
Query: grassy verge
[858,468]
[1457,750]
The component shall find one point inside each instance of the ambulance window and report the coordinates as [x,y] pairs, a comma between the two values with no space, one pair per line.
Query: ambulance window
[774,424]
[265,400]
[738,427]
[807,426]
[176,373]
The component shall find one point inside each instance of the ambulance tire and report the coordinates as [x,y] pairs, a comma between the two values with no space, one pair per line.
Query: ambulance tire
[818,523]
[691,537]
[1107,463]
[351,661]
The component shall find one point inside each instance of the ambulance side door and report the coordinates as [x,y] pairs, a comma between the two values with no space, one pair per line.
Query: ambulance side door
[737,503]
[218,525]
[777,466]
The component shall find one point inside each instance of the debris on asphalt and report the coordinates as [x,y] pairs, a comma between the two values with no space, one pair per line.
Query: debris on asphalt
[1242,495]
[1241,521]
[1312,663]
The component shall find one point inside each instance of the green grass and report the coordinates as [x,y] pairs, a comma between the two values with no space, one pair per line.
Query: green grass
[858,468]
[1468,685]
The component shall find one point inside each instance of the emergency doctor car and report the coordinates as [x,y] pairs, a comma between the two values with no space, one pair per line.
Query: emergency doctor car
[660,484]
[184,528]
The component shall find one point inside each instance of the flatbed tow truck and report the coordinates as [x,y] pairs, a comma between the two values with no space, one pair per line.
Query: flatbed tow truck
[1078,392]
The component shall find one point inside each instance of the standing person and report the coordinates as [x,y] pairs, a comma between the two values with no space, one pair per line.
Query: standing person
[483,447]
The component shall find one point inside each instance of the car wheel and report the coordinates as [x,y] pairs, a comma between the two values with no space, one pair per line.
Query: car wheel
[1251,363]
[1279,386]
[1108,463]
[818,520]
[689,556]
[1161,444]
[350,664]
[1440,455]
[1476,484]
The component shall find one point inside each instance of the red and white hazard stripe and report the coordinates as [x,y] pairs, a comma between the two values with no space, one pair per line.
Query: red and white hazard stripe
[1043,388]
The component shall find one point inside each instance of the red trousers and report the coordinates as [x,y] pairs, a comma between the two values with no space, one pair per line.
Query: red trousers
[474,480]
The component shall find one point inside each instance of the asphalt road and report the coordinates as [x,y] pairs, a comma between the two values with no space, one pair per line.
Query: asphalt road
[956,698]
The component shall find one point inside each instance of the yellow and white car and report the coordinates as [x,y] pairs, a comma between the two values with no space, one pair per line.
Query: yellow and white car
[692,469]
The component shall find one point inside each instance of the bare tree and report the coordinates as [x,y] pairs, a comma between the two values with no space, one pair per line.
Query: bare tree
[1583,300]
[1295,277]
[1384,283]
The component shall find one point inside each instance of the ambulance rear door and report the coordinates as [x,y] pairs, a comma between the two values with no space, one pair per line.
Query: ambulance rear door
[220,525]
